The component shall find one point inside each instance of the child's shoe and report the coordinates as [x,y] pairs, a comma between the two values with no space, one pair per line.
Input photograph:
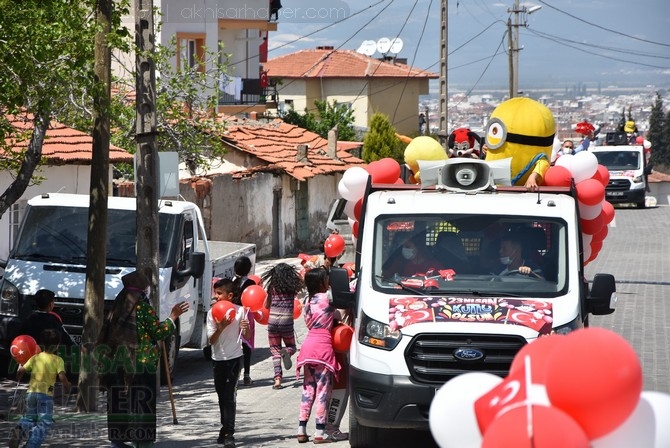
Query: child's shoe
[286,357]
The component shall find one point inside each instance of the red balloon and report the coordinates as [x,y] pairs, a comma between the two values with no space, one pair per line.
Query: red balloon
[223,309]
[557,176]
[357,209]
[253,297]
[342,335]
[23,348]
[354,229]
[384,171]
[639,139]
[262,316]
[255,278]
[594,376]
[551,428]
[595,247]
[590,192]
[350,268]
[584,128]
[602,175]
[540,351]
[608,212]
[592,226]
[602,234]
[297,308]
[334,246]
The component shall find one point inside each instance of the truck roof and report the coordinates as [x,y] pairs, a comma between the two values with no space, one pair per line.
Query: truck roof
[114,202]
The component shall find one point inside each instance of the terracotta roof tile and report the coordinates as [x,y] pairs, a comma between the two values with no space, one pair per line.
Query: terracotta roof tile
[63,145]
[323,63]
[276,142]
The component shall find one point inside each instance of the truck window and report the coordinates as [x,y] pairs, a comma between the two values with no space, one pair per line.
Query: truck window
[619,160]
[59,234]
[462,253]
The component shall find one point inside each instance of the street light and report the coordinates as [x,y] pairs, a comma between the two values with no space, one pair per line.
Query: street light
[513,37]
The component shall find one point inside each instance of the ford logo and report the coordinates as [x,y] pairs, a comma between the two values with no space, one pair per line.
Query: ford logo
[468,354]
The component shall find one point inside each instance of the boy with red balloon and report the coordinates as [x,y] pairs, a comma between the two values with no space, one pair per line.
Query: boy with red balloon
[44,368]
[226,322]
[241,281]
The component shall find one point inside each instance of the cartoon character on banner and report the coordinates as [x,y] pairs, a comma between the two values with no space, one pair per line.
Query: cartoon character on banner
[520,132]
[461,143]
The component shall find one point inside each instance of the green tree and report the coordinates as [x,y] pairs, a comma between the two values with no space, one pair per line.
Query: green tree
[657,133]
[47,58]
[664,147]
[381,141]
[327,116]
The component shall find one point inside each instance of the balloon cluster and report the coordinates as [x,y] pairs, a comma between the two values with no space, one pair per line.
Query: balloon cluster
[582,390]
[590,180]
[354,181]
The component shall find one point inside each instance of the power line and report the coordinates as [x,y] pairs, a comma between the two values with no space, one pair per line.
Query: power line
[492,57]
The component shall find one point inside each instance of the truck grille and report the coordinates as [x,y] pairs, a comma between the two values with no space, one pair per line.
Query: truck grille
[71,310]
[431,357]
[618,185]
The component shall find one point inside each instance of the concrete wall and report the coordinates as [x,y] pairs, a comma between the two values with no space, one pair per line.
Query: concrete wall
[661,191]
[399,100]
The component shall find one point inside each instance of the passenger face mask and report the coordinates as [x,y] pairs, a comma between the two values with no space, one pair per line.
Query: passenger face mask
[505,260]
[408,253]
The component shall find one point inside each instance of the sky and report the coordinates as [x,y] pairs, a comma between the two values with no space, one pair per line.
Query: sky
[565,43]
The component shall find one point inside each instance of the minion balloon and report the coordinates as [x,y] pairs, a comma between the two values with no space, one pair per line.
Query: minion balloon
[521,129]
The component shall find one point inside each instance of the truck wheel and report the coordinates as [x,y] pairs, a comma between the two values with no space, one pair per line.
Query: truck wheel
[361,436]
[641,204]
[172,350]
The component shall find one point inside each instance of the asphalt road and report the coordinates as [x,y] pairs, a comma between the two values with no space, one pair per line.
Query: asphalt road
[636,251]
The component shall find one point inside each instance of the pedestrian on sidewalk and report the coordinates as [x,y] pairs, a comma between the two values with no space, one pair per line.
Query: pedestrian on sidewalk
[225,338]
[128,342]
[283,284]
[44,368]
[241,281]
[317,357]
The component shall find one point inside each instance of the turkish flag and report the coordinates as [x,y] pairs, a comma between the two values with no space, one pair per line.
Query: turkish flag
[264,79]
[526,319]
[509,394]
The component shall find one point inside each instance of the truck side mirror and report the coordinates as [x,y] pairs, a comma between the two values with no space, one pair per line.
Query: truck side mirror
[339,284]
[602,296]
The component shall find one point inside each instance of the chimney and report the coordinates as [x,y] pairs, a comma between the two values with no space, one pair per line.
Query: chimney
[301,153]
[253,115]
[332,143]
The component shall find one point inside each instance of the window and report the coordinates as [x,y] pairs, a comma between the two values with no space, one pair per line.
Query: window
[15,215]
[191,51]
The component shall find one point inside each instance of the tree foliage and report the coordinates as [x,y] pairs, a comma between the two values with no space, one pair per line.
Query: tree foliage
[327,116]
[381,140]
[658,133]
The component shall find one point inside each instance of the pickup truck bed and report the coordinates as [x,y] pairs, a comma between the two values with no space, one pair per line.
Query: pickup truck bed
[224,253]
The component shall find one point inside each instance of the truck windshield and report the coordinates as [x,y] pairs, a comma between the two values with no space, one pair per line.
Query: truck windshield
[59,234]
[488,255]
[618,160]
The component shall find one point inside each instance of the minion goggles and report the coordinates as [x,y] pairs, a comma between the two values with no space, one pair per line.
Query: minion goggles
[497,135]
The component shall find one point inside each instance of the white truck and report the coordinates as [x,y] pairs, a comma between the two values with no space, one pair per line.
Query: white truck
[50,252]
[466,312]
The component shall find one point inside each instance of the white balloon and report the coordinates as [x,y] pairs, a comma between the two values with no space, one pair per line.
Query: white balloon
[349,209]
[660,403]
[646,144]
[453,407]
[636,431]
[586,239]
[589,212]
[587,252]
[555,148]
[565,161]
[343,190]
[351,222]
[584,166]
[355,180]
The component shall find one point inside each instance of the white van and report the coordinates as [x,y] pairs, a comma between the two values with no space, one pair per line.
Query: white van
[628,173]
[417,329]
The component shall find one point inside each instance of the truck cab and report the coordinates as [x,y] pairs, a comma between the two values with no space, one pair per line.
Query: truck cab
[458,309]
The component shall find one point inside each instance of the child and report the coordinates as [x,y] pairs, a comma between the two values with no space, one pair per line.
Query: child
[45,368]
[45,317]
[317,356]
[283,283]
[224,336]
[242,268]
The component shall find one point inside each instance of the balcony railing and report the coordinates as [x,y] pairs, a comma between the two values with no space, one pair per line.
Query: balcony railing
[235,90]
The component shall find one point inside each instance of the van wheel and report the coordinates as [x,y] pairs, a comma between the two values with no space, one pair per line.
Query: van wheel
[207,353]
[361,436]
[172,350]
[641,204]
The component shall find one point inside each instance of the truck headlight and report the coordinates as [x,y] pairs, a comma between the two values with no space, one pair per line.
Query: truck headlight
[569,327]
[377,334]
[9,299]
[637,179]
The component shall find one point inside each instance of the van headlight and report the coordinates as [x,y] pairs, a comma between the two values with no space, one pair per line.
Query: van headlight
[9,299]
[637,179]
[377,334]
[569,327]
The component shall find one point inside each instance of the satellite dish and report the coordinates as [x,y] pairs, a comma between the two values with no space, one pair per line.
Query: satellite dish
[384,45]
[396,45]
[368,47]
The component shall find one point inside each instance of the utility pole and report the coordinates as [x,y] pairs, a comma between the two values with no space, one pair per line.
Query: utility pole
[146,170]
[444,97]
[513,39]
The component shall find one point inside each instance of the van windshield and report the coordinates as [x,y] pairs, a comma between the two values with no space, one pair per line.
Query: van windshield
[619,160]
[488,255]
[59,234]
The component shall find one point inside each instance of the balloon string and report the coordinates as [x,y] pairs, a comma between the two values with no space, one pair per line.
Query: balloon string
[244,316]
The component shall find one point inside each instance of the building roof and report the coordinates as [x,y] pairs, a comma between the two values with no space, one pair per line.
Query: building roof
[64,145]
[276,143]
[329,63]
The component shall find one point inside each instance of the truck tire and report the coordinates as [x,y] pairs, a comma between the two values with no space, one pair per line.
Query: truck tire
[172,349]
[207,353]
[361,436]
[641,204]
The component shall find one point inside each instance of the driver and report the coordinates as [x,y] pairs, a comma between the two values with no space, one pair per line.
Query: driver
[511,256]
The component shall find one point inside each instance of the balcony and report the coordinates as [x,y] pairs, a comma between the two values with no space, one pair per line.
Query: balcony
[238,95]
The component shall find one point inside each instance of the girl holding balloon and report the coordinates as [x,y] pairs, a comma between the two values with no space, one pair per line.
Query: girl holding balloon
[226,322]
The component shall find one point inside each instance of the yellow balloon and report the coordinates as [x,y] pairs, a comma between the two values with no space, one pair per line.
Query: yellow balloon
[423,148]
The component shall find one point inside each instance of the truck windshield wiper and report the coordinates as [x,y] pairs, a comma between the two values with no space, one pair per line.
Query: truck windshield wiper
[403,286]
[43,257]
[121,261]
[477,292]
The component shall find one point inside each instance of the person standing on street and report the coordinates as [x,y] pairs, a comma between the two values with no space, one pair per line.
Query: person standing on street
[282,283]
[127,341]
[225,337]
[241,281]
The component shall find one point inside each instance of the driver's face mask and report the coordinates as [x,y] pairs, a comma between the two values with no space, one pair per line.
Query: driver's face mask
[408,253]
[505,260]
